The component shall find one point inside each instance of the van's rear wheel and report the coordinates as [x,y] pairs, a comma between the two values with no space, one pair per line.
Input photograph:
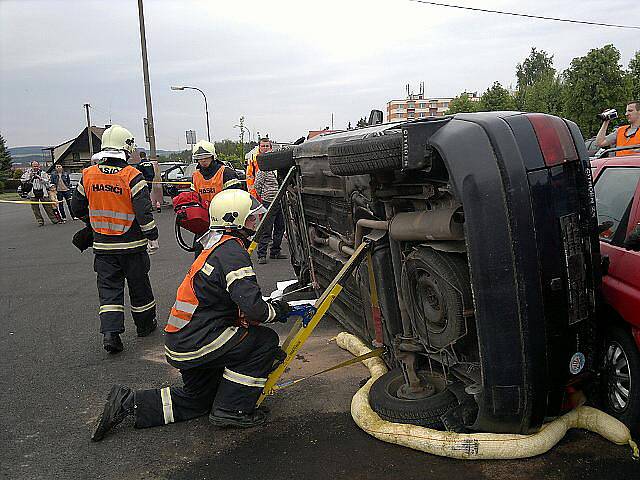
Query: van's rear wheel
[386,400]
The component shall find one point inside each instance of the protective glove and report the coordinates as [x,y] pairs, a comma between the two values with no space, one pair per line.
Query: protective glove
[153,246]
[282,308]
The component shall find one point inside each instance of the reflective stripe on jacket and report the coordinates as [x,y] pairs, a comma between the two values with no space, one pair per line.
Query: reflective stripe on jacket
[186,300]
[110,206]
[622,141]
[215,304]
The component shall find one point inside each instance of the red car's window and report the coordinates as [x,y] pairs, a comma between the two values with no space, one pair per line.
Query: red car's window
[614,192]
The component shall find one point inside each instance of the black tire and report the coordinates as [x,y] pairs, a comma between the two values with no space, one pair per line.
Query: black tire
[438,290]
[276,160]
[358,157]
[622,373]
[426,412]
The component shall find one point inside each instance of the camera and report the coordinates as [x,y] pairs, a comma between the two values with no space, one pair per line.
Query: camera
[608,114]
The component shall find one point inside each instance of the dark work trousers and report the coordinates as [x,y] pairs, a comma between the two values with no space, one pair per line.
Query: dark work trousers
[274,231]
[233,382]
[66,195]
[112,271]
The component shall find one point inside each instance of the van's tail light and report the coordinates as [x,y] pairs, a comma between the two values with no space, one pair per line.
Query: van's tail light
[554,139]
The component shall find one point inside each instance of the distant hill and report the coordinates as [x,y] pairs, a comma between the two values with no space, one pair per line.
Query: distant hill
[23,156]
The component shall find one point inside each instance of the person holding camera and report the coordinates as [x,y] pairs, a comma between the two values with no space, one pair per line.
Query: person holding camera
[626,135]
[36,184]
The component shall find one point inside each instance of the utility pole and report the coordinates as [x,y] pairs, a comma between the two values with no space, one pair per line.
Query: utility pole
[242,139]
[147,88]
[89,134]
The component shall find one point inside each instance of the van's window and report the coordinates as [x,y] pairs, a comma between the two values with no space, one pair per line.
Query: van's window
[614,192]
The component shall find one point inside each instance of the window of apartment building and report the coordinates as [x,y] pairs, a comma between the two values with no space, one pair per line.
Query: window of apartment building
[445,104]
[412,115]
[411,105]
[423,105]
[422,114]
[399,107]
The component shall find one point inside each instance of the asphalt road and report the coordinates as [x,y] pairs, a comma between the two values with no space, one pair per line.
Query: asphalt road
[55,376]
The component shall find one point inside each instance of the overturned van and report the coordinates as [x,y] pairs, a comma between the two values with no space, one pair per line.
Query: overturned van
[485,261]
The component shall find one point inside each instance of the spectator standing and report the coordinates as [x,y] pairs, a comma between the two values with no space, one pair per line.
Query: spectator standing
[264,146]
[38,192]
[266,186]
[62,183]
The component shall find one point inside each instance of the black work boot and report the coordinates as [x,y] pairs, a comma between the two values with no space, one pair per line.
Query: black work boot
[112,342]
[148,329]
[118,406]
[237,419]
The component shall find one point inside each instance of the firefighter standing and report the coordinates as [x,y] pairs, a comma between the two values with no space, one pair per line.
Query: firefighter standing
[264,146]
[212,335]
[211,176]
[113,198]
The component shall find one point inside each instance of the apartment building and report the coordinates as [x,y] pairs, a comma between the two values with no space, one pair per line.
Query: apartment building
[416,106]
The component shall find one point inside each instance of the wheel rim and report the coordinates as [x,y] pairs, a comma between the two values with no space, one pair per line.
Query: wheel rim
[619,377]
[436,381]
[432,306]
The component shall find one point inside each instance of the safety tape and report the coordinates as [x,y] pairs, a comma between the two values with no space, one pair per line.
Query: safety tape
[29,202]
[171,183]
[373,353]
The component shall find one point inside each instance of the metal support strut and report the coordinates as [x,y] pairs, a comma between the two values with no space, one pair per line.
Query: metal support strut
[304,326]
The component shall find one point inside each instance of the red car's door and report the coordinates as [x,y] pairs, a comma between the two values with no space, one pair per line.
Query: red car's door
[618,199]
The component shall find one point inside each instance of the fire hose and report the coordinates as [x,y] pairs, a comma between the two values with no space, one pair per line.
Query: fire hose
[474,446]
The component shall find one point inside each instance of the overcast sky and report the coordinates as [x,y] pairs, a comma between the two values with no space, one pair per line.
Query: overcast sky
[285,65]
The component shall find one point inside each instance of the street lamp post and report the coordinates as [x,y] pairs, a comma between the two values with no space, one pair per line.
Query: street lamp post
[206,106]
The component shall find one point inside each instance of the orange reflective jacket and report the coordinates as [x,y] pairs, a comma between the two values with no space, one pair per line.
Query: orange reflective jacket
[622,141]
[208,188]
[252,170]
[186,300]
[109,196]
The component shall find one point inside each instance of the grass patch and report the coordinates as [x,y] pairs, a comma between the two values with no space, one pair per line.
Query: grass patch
[10,196]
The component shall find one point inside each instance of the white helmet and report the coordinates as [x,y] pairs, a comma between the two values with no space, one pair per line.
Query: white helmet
[203,149]
[118,138]
[231,208]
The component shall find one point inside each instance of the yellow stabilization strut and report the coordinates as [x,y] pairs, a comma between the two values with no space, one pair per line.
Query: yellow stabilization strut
[300,332]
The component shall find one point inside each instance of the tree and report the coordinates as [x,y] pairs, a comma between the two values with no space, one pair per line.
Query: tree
[17,173]
[537,67]
[497,98]
[543,96]
[5,160]
[592,84]
[633,78]
[462,104]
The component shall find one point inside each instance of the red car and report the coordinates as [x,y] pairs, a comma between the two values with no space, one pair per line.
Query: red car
[617,190]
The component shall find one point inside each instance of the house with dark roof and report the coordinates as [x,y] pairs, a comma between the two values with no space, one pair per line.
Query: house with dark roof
[74,154]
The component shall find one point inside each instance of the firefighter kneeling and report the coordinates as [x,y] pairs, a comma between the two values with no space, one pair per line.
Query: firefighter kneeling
[213,334]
